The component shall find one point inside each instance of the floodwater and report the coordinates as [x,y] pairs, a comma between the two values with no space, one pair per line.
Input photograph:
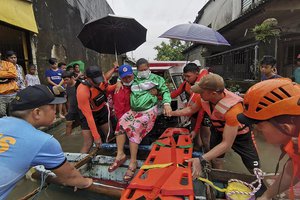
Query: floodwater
[69,144]
[268,154]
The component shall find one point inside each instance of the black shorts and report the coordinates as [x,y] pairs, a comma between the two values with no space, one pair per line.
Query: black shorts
[242,145]
[72,117]
[100,117]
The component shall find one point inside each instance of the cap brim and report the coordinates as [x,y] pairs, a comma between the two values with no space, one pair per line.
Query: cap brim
[196,88]
[58,100]
[98,80]
[246,120]
[126,74]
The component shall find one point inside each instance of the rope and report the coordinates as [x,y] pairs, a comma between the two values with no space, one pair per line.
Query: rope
[259,175]
[43,184]
[107,135]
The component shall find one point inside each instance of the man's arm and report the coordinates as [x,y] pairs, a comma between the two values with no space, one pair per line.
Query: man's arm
[178,91]
[8,70]
[68,175]
[52,157]
[187,111]
[50,82]
[110,72]
[229,135]
[61,82]
[281,184]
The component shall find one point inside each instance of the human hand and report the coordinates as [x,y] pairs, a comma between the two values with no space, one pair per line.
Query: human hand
[153,91]
[167,110]
[116,65]
[86,184]
[196,166]
[119,86]
[98,142]
[193,135]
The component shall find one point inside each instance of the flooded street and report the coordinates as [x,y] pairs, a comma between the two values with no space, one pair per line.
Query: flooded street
[268,155]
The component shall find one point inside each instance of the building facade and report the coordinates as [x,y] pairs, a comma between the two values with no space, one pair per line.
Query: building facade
[235,20]
[38,30]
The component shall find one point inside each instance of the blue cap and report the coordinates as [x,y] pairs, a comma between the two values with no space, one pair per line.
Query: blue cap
[125,70]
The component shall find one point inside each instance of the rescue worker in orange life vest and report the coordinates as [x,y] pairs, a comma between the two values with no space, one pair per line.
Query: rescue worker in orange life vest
[274,106]
[192,74]
[222,107]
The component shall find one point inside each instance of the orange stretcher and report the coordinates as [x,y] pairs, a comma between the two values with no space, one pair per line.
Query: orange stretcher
[165,174]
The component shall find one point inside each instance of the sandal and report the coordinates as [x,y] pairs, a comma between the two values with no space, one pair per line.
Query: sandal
[129,173]
[116,164]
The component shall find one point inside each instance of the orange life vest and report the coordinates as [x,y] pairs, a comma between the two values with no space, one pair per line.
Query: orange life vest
[293,150]
[217,116]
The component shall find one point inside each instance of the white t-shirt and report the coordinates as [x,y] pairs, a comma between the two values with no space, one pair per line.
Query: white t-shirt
[32,79]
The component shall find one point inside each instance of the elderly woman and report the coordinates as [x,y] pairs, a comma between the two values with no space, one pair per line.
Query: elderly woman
[139,121]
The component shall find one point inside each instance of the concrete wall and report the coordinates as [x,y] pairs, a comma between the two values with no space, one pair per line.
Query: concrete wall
[59,22]
[219,13]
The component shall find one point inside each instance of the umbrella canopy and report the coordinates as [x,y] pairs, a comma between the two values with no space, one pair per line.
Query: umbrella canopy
[195,33]
[79,62]
[113,35]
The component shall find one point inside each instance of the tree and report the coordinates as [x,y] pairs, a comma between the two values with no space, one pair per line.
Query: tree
[171,51]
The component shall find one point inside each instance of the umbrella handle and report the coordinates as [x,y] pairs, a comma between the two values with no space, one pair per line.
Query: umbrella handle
[116,52]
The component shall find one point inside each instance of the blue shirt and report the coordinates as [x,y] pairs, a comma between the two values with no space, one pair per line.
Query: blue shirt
[21,147]
[297,75]
[55,76]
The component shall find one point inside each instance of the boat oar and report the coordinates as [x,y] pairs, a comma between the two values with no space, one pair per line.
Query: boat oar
[77,165]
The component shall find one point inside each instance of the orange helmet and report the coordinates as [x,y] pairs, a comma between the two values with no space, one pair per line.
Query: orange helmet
[269,99]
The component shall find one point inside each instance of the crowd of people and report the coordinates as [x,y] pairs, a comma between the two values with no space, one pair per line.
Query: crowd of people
[222,120]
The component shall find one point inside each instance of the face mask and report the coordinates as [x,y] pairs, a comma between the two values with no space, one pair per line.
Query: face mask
[144,74]
[128,84]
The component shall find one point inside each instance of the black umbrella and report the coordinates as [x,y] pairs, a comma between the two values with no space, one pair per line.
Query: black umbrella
[113,35]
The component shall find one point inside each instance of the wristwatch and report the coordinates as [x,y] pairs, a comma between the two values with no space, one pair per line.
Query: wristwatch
[203,162]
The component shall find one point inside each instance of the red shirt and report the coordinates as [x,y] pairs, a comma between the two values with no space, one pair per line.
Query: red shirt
[122,101]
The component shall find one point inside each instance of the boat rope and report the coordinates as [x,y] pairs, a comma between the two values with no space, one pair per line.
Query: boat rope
[43,185]
[239,187]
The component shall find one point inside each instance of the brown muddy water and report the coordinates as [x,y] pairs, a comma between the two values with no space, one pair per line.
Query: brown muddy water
[268,154]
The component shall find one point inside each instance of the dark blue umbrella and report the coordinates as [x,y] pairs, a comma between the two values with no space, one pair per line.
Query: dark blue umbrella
[195,33]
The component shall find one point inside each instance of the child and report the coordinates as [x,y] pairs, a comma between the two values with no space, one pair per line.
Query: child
[268,68]
[32,78]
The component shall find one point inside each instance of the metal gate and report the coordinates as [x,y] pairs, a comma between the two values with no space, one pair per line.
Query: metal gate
[236,64]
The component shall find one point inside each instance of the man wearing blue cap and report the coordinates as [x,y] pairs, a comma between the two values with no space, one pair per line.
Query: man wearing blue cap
[121,106]
[22,145]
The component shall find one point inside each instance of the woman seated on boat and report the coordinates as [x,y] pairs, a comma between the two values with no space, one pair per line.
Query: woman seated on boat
[140,119]
[274,106]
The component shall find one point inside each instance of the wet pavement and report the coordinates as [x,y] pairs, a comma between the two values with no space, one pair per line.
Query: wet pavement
[268,154]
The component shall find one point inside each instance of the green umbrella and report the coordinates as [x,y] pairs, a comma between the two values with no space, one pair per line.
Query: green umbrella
[79,62]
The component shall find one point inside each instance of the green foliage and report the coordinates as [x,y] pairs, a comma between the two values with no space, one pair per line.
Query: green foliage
[170,51]
[265,32]
[234,88]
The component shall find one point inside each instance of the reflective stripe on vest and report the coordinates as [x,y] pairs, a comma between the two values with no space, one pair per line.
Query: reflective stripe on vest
[217,117]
